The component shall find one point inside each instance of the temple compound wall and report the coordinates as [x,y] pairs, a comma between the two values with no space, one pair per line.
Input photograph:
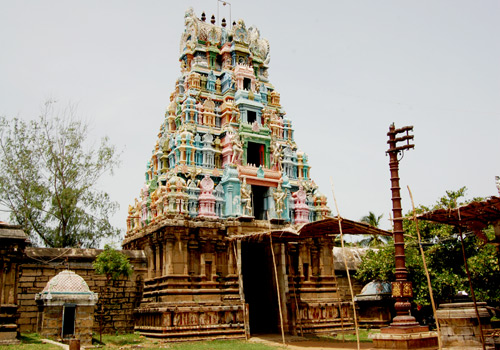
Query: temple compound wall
[116,302]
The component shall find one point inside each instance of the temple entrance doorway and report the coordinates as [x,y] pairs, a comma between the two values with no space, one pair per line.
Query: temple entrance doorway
[259,287]
[259,194]
[255,154]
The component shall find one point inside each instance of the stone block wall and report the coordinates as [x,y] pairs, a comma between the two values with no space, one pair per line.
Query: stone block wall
[117,299]
[460,326]
[52,322]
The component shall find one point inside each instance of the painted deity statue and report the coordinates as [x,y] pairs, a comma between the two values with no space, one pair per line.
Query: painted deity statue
[279,199]
[137,213]
[276,156]
[246,197]
[237,149]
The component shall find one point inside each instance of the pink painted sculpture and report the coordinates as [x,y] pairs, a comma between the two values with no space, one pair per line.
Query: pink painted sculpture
[207,199]
[301,208]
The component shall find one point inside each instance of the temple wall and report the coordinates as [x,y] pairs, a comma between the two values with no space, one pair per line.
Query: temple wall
[191,288]
[319,295]
[119,299]
[353,257]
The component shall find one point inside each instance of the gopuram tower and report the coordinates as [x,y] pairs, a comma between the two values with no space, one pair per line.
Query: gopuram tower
[226,189]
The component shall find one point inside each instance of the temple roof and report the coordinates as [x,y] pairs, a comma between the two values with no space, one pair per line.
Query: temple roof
[321,228]
[8,231]
[350,227]
[473,216]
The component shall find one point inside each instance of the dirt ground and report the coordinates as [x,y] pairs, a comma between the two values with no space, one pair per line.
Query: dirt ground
[299,343]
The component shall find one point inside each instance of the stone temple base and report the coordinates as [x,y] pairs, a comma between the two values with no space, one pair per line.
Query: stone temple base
[9,338]
[8,334]
[460,327]
[415,337]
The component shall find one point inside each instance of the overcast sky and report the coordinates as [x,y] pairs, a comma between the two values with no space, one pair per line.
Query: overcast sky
[345,71]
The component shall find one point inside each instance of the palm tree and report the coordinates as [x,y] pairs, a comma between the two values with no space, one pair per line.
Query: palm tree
[375,240]
[371,219]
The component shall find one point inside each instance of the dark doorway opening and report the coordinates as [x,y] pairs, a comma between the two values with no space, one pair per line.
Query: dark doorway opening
[255,154]
[251,117]
[259,202]
[247,84]
[68,327]
[259,287]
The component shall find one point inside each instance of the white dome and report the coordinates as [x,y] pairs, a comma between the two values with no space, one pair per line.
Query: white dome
[66,285]
[67,282]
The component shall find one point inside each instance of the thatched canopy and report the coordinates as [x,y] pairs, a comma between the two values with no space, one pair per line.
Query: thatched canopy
[326,227]
[474,216]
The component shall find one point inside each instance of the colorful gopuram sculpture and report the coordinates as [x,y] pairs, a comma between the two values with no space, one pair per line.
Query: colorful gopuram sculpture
[225,121]
[225,164]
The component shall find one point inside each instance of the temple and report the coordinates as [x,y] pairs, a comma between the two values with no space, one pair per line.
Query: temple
[236,233]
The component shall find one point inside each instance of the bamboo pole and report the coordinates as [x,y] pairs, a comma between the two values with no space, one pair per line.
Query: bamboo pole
[242,298]
[438,328]
[299,318]
[346,267]
[473,295]
[338,293]
[277,288]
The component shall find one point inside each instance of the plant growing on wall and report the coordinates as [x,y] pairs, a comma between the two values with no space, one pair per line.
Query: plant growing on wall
[112,263]
[48,176]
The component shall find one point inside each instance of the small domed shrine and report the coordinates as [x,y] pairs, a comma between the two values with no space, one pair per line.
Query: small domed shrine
[66,308]
[236,232]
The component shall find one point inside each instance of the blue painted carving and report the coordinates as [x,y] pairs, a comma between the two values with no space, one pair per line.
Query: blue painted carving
[226,82]
[260,172]
[219,200]
[198,157]
[189,109]
[211,81]
[231,185]
[263,94]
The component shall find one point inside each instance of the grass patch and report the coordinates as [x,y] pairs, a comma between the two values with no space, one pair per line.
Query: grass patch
[121,339]
[30,341]
[136,341]
[351,336]
[223,345]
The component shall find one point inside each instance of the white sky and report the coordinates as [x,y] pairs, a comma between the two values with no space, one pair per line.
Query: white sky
[345,70]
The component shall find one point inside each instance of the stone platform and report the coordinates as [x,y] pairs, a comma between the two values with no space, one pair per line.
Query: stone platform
[460,326]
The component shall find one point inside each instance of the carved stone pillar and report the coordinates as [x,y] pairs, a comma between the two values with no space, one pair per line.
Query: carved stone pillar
[158,253]
[184,248]
[231,259]
[170,242]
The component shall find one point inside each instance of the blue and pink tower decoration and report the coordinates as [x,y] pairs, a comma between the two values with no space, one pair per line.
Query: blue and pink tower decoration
[226,148]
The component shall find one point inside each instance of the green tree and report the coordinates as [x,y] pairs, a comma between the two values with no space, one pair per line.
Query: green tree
[372,219]
[374,240]
[443,250]
[112,263]
[48,176]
